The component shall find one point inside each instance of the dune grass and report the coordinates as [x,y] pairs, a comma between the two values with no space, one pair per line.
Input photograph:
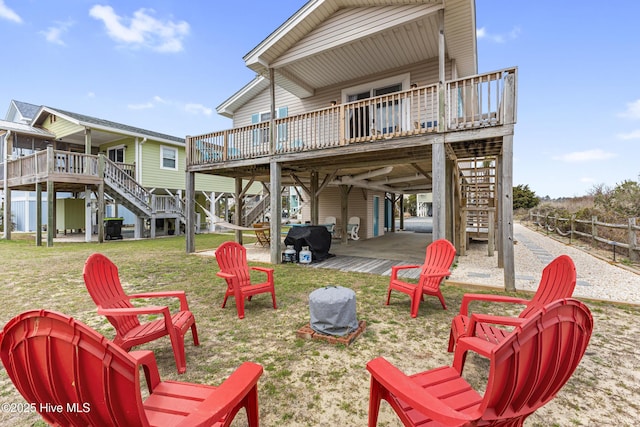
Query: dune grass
[305,383]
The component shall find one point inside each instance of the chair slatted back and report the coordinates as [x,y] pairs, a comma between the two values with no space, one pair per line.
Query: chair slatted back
[57,361]
[439,257]
[531,365]
[103,283]
[232,259]
[558,281]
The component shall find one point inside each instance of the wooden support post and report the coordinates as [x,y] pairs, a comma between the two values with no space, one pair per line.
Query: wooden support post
[88,223]
[101,203]
[633,241]
[275,195]
[51,198]
[344,212]
[239,205]
[438,190]
[572,224]
[401,211]
[190,211]
[38,214]
[506,206]
[463,232]
[51,208]
[491,232]
[499,188]
[393,213]
[314,198]
[449,196]
[6,220]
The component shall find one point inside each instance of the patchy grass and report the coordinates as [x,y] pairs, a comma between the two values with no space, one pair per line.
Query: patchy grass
[305,382]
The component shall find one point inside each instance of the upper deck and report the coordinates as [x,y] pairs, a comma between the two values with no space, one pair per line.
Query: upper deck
[481,102]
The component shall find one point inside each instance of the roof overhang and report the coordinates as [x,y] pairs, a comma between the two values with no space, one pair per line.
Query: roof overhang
[329,42]
[102,131]
[24,129]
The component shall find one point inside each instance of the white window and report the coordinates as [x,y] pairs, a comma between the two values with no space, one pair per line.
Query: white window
[261,136]
[168,158]
[116,154]
[386,116]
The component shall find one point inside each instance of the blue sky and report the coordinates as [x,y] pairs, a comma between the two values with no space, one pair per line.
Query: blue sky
[165,65]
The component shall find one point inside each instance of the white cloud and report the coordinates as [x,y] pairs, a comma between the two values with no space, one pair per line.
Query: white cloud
[54,34]
[91,95]
[8,14]
[145,106]
[142,30]
[587,180]
[631,135]
[159,100]
[585,156]
[198,109]
[482,33]
[632,111]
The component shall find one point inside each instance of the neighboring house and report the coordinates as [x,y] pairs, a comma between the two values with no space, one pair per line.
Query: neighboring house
[125,171]
[358,102]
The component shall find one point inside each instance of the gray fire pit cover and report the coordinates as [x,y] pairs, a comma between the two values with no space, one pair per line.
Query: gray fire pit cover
[333,310]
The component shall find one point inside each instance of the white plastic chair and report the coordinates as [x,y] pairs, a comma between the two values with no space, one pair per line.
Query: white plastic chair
[353,226]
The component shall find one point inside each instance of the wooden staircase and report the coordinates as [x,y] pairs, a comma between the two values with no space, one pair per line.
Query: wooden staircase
[126,191]
[477,178]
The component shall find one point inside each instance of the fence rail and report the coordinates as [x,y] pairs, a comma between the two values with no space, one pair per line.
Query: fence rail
[593,231]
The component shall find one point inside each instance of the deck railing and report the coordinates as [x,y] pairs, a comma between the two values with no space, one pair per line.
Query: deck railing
[471,102]
[41,164]
[121,179]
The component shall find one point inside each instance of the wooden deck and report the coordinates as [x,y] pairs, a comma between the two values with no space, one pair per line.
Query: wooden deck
[358,264]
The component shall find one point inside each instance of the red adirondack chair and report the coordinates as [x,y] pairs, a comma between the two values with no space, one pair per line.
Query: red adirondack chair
[558,281]
[232,260]
[527,369]
[73,376]
[103,283]
[436,266]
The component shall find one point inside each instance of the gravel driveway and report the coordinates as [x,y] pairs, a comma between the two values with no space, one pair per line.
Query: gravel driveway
[597,278]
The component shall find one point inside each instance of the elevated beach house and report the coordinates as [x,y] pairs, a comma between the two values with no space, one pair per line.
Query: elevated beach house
[360,101]
[65,171]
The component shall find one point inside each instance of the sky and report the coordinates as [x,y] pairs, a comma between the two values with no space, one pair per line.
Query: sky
[165,65]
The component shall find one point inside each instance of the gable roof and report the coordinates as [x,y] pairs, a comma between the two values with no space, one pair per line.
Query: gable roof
[327,42]
[106,126]
[28,111]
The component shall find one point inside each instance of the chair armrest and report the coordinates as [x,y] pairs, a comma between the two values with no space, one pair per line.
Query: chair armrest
[225,397]
[134,311]
[440,273]
[225,275]
[402,386]
[467,298]
[396,268]
[267,271]
[147,360]
[263,269]
[181,295]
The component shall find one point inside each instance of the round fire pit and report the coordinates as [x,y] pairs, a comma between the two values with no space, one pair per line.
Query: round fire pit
[333,310]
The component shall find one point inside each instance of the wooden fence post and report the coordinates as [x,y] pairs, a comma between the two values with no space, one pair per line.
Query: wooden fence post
[572,224]
[633,241]
[594,230]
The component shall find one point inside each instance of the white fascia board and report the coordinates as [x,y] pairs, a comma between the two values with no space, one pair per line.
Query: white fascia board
[253,57]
